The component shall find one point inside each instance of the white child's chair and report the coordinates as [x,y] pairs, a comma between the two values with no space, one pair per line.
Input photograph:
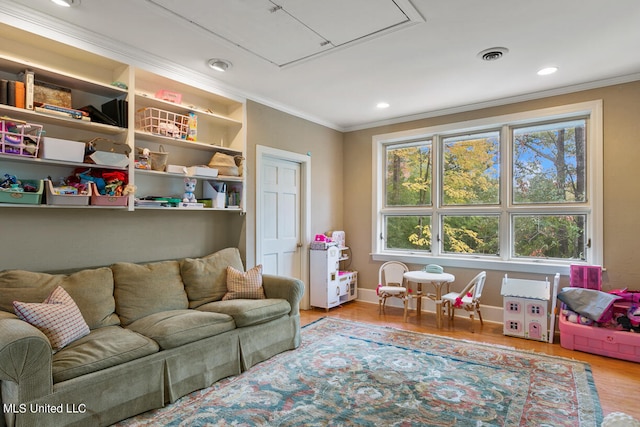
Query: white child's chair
[391,283]
[467,299]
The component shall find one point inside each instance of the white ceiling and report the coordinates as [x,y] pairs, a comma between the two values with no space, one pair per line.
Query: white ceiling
[332,61]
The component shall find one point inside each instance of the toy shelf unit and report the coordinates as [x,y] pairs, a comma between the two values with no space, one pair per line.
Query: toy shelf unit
[76,96]
[330,286]
[190,126]
[216,120]
[58,94]
[526,304]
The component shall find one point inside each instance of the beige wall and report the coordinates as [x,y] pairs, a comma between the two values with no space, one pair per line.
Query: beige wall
[272,128]
[42,239]
[621,105]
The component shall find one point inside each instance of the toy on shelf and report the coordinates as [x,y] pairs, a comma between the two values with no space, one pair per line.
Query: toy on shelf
[189,189]
[13,184]
[143,161]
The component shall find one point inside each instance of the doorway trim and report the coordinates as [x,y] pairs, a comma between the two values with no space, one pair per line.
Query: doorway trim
[263,152]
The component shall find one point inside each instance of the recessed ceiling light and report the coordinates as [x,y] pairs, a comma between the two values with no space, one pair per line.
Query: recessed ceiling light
[66,3]
[382,105]
[546,71]
[221,65]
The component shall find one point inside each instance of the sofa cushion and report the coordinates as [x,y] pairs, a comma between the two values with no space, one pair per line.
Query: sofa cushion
[177,327]
[244,285]
[205,279]
[91,289]
[141,290]
[58,317]
[101,349]
[247,312]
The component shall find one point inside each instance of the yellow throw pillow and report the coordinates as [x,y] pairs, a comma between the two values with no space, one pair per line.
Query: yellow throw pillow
[58,317]
[244,285]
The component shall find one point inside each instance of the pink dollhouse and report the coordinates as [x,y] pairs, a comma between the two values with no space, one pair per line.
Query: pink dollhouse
[526,308]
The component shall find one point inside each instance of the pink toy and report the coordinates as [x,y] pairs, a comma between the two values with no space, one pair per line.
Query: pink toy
[189,188]
[574,317]
[627,295]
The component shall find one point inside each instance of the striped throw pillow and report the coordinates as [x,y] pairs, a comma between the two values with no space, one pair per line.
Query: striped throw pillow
[244,285]
[58,317]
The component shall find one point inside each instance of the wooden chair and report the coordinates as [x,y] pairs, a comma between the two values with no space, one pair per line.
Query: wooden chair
[391,284]
[467,299]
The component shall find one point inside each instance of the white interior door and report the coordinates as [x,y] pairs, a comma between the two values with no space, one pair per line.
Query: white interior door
[283,218]
[281,243]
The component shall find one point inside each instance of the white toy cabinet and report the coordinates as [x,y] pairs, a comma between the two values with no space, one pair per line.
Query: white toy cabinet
[330,287]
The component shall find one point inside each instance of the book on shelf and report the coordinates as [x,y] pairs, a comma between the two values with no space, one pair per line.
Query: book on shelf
[54,110]
[98,116]
[4,83]
[28,78]
[11,93]
[20,94]
[118,110]
[72,112]
[48,93]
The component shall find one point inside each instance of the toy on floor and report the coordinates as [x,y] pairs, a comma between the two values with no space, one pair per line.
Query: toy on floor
[629,321]
[189,188]
[574,317]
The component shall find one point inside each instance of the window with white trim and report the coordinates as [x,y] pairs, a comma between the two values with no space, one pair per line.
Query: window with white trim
[515,191]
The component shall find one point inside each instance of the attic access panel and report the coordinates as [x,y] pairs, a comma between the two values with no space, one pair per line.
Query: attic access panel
[287,31]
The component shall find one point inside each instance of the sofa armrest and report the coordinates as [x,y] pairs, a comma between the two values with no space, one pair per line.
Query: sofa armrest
[25,359]
[286,288]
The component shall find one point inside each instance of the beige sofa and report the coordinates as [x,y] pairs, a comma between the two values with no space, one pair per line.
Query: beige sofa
[157,332]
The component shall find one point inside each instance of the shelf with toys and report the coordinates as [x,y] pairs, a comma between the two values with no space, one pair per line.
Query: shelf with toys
[181,133]
[51,97]
[211,193]
[73,96]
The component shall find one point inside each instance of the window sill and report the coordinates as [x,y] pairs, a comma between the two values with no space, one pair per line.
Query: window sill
[534,267]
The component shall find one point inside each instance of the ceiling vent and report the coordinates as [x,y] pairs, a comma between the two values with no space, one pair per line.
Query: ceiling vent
[493,54]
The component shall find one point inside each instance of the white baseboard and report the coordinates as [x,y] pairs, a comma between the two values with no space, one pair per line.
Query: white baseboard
[489,313]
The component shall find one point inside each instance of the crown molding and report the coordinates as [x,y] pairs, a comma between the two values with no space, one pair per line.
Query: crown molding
[499,102]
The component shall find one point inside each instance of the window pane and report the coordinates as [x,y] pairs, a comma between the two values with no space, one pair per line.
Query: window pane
[471,170]
[550,163]
[408,177]
[471,234]
[408,232]
[549,236]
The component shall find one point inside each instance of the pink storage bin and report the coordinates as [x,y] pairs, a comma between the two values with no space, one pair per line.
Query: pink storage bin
[603,341]
[98,199]
[167,95]
[585,276]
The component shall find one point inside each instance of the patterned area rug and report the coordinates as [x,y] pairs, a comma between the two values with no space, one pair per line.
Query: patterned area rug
[355,374]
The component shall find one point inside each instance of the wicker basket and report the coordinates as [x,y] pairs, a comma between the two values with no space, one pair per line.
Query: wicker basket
[159,159]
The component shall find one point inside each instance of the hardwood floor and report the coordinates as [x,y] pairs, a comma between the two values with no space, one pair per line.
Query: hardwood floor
[617,381]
